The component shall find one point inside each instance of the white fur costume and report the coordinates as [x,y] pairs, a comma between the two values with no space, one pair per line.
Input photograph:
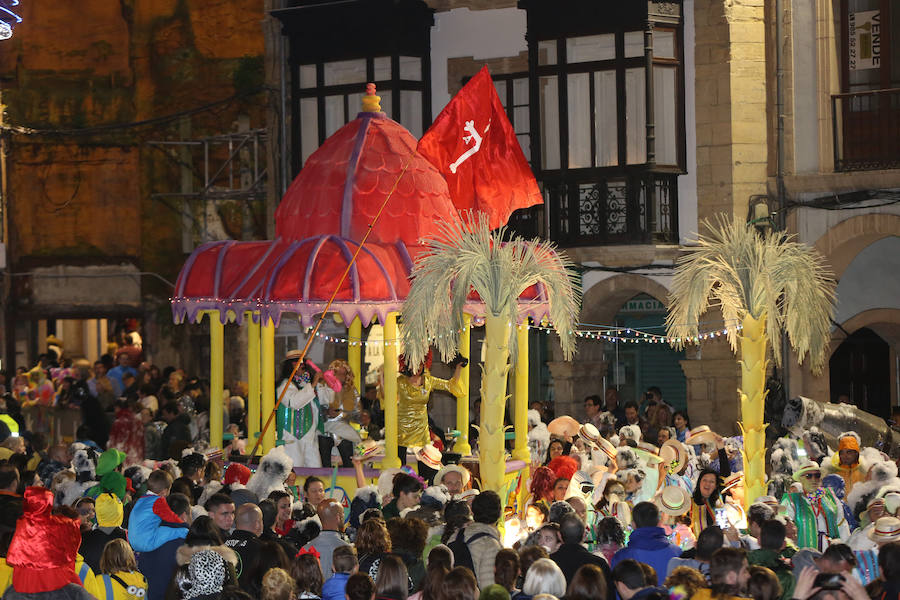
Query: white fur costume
[538,438]
[272,471]
[302,450]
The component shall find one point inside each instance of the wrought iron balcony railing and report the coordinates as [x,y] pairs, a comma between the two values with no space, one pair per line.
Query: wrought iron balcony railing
[866,130]
[640,208]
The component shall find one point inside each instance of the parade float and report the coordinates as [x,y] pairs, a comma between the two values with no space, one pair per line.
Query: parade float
[349,231]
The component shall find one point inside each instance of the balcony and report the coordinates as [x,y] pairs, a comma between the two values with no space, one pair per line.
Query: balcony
[866,126]
[639,208]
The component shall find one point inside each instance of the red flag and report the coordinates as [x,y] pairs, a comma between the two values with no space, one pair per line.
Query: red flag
[473,145]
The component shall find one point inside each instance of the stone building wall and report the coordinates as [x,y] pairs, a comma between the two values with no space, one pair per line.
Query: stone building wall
[85,86]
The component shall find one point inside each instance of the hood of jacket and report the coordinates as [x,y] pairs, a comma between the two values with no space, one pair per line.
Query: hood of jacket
[648,538]
[475,527]
[184,553]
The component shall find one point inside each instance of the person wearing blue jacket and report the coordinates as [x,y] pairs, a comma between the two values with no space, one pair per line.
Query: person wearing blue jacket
[344,563]
[648,542]
[151,522]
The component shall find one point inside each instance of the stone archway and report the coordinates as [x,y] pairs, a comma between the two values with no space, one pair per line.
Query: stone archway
[840,245]
[574,380]
[883,321]
[843,242]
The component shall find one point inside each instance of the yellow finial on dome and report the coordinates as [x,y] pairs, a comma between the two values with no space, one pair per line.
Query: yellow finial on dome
[371,102]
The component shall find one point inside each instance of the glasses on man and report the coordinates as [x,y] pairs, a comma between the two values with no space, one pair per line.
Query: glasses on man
[814,475]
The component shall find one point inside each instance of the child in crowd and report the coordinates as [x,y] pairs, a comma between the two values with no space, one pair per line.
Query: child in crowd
[120,577]
[152,523]
[344,564]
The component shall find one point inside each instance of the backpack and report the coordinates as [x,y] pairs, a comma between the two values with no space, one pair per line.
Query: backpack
[460,548]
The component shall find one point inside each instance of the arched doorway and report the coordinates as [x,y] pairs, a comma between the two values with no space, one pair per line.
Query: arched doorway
[860,370]
[632,368]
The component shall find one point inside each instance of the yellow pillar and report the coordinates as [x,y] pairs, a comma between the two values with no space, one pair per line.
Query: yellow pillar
[267,378]
[520,411]
[391,349]
[216,378]
[253,381]
[354,352]
[462,445]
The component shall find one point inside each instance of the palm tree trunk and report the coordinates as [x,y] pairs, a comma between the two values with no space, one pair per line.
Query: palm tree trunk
[754,345]
[491,442]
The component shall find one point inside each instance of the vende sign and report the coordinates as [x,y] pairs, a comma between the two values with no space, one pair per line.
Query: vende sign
[864,40]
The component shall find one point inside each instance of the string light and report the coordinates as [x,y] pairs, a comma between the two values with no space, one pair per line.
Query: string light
[613,334]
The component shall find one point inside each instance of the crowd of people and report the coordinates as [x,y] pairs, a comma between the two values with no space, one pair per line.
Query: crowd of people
[630,502]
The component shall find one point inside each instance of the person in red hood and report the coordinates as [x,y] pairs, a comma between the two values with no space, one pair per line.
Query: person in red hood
[42,552]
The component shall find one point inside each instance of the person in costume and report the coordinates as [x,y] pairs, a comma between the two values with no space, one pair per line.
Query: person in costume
[845,462]
[413,391]
[341,406]
[300,417]
[674,503]
[733,497]
[43,550]
[816,511]
[119,577]
[705,501]
[674,463]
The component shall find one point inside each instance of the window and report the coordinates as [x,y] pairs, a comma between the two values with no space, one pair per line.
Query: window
[607,99]
[331,56]
[513,92]
[603,81]
[330,94]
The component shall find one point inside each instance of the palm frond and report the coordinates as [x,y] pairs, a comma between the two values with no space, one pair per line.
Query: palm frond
[465,257]
[742,273]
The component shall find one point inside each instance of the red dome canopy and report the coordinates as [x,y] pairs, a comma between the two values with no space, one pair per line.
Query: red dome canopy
[345,182]
[323,216]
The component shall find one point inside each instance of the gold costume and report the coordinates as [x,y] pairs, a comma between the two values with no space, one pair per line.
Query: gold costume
[412,409]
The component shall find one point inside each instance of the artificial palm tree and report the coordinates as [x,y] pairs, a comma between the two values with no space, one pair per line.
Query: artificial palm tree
[465,257]
[763,284]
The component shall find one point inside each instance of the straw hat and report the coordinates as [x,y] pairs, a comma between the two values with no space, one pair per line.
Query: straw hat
[590,435]
[430,455]
[648,452]
[807,467]
[732,480]
[887,529]
[673,454]
[771,502]
[892,503]
[463,472]
[701,435]
[674,500]
[366,448]
[564,426]
[608,448]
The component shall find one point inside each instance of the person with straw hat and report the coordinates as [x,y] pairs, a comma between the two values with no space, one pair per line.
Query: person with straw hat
[674,503]
[884,531]
[817,512]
